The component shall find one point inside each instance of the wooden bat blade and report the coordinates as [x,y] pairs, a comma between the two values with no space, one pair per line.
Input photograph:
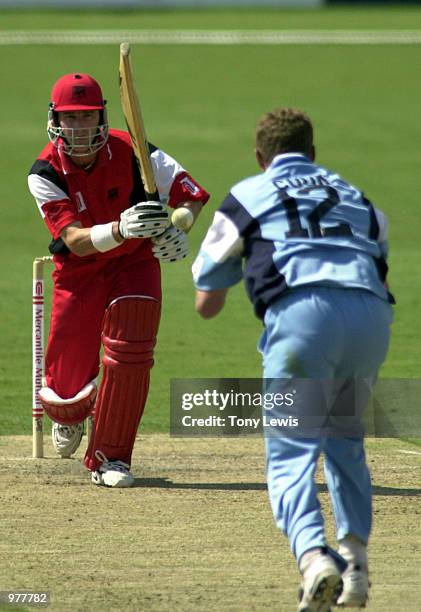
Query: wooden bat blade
[134,122]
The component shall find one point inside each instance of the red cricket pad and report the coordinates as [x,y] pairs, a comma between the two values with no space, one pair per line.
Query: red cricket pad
[129,335]
[68,411]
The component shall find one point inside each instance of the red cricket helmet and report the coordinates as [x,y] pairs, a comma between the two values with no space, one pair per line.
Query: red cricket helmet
[77,92]
[73,92]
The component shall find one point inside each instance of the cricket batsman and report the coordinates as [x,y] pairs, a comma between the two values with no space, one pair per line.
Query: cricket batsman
[312,251]
[108,242]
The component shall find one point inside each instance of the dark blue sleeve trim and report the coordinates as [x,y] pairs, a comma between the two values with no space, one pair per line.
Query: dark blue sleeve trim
[46,170]
[235,211]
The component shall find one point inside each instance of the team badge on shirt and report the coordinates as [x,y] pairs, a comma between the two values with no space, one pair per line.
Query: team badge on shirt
[189,185]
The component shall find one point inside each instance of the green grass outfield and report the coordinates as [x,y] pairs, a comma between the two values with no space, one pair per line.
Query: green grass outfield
[201,103]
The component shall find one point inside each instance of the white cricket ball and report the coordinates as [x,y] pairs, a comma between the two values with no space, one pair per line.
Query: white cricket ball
[182,219]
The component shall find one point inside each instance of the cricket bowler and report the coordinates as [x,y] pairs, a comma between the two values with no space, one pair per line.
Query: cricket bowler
[312,251]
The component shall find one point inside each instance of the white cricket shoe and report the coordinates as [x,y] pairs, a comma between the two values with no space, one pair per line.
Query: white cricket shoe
[66,438]
[113,474]
[356,585]
[321,586]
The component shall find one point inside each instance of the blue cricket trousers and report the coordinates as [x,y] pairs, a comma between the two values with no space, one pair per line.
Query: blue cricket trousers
[330,334]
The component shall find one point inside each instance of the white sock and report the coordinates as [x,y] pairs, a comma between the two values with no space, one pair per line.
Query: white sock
[353,550]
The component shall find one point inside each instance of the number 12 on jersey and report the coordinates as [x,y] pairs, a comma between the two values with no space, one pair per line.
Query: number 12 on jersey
[296,230]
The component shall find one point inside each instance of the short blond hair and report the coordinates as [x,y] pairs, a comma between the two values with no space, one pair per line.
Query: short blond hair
[284,130]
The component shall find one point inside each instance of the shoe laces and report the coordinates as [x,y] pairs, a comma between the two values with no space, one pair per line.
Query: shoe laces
[67,430]
[117,465]
[64,429]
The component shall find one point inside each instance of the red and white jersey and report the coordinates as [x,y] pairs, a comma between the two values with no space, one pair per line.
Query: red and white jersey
[67,194]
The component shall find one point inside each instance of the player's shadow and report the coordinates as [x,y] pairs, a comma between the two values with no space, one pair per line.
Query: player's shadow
[166,483]
[383,491]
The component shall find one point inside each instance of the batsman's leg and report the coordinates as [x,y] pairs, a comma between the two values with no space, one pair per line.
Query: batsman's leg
[68,416]
[129,336]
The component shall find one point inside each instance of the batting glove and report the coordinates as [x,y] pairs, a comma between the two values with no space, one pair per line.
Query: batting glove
[144,220]
[172,245]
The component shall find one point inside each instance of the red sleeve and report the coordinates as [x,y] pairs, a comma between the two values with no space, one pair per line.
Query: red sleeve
[58,214]
[185,189]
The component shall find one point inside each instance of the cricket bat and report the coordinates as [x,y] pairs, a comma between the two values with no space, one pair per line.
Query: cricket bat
[134,122]
[181,218]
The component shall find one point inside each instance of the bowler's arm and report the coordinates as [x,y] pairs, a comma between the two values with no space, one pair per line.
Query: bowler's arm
[218,265]
[210,303]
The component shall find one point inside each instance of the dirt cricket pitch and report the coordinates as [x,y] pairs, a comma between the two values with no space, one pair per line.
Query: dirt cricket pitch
[195,533]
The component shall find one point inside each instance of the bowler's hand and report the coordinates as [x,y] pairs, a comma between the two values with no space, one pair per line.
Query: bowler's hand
[144,220]
[172,245]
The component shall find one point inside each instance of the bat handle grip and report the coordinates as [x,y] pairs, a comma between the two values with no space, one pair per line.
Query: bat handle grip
[152,195]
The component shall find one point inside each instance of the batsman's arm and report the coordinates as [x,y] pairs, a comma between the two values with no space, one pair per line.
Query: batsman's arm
[194,207]
[184,221]
[80,240]
[142,221]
